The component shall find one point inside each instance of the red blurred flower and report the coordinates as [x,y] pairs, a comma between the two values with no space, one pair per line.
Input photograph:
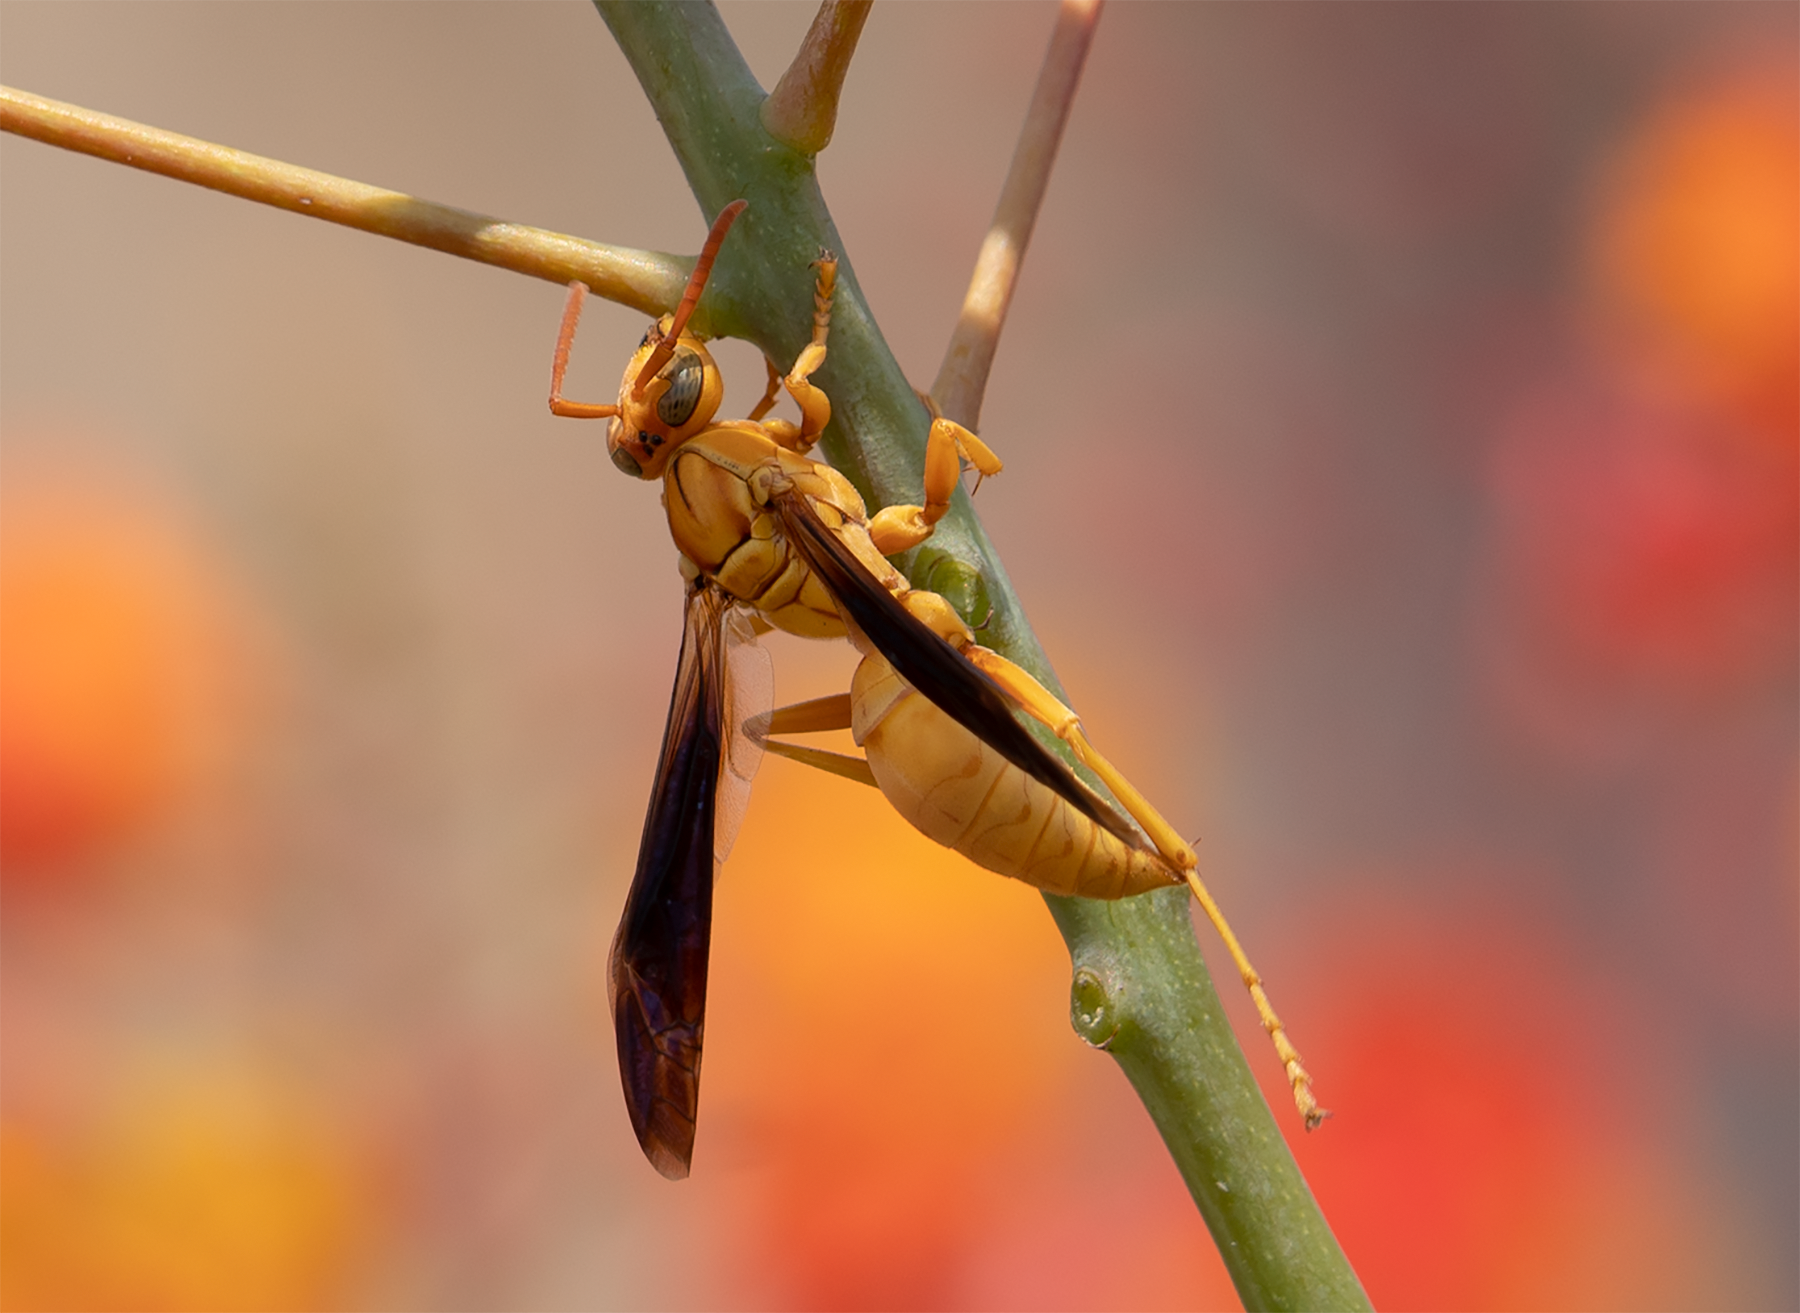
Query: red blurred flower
[1637,545]
[1503,1134]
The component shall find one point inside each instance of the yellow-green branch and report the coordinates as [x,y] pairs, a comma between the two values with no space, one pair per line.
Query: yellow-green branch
[646,280]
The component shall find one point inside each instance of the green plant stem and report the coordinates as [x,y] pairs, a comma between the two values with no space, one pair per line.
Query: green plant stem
[1141,989]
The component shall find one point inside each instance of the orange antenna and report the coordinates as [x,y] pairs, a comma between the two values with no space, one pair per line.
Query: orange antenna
[690,298]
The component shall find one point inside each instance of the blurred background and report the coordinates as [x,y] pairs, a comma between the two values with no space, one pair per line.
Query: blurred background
[1437,566]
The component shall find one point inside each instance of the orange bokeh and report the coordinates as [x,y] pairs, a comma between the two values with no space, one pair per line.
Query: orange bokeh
[207,1186]
[122,675]
[893,1097]
[1696,248]
[862,1048]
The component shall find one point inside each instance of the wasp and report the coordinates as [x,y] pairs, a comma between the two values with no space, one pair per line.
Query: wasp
[771,539]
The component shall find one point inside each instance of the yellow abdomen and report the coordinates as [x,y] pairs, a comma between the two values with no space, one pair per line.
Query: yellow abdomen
[959,792]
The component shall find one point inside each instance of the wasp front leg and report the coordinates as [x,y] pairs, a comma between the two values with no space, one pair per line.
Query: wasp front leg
[771,393]
[815,406]
[897,529]
[559,363]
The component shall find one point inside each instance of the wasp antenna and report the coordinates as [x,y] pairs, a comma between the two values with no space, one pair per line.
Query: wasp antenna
[691,298]
[703,266]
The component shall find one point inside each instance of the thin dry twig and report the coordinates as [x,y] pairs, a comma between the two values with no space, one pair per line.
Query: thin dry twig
[962,378]
[646,280]
[802,110]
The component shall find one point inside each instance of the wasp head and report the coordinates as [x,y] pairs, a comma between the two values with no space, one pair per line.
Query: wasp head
[670,392]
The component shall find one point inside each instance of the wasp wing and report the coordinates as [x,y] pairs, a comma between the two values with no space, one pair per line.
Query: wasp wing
[657,973]
[749,695]
[967,694]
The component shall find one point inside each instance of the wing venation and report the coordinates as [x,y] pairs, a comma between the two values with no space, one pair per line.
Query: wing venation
[657,972]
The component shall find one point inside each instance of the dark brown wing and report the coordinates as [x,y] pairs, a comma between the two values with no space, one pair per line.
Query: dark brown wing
[657,976]
[958,688]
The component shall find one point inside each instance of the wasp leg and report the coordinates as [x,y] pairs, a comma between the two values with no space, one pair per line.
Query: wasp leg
[813,717]
[1041,704]
[815,406]
[559,363]
[832,763]
[770,393]
[899,528]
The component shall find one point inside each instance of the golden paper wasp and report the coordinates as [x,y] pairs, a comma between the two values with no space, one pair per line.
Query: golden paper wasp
[772,539]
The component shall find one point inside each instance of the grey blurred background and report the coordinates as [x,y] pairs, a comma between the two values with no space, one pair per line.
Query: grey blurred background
[1363,487]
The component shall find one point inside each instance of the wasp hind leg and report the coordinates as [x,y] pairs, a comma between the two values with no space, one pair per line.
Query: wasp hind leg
[1041,704]
[817,716]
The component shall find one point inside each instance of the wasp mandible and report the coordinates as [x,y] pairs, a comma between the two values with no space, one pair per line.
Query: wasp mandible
[770,538]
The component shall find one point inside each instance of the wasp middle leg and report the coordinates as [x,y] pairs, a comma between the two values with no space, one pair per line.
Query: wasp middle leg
[900,528]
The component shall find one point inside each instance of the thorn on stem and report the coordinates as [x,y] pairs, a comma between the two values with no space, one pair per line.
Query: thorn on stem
[802,110]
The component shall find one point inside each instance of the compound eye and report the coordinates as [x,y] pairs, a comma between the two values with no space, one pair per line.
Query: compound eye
[687,376]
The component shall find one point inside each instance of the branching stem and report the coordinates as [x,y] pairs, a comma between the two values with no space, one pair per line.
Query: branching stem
[962,378]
